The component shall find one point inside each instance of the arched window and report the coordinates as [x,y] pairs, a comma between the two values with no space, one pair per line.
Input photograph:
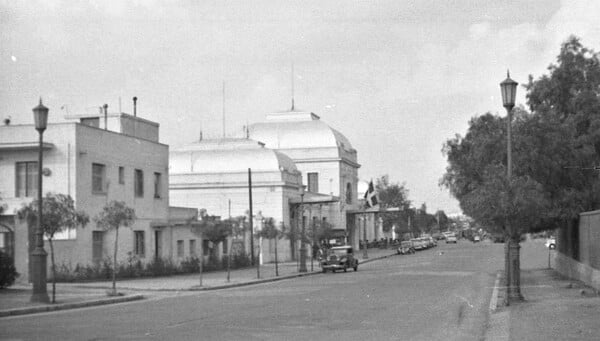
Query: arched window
[348,193]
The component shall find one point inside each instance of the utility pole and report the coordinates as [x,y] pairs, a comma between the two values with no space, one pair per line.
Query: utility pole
[250,217]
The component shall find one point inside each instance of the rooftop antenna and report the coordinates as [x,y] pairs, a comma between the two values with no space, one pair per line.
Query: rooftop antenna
[223,109]
[292,86]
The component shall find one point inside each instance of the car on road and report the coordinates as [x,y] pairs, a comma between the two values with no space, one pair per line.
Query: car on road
[339,258]
[406,247]
[551,243]
[451,239]
[418,244]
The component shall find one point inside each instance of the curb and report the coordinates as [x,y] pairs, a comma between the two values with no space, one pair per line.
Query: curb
[232,285]
[494,299]
[65,306]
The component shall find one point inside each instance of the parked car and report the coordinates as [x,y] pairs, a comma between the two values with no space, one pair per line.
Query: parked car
[406,247]
[451,239]
[339,258]
[551,243]
[476,239]
[418,244]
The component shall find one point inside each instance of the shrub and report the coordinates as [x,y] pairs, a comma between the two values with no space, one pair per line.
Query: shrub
[190,265]
[8,272]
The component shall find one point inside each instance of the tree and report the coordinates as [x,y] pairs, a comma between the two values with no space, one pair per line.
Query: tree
[270,231]
[393,195]
[215,230]
[114,215]
[59,214]
[556,147]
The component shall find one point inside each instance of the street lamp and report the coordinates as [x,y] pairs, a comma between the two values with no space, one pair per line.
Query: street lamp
[508,88]
[302,243]
[39,255]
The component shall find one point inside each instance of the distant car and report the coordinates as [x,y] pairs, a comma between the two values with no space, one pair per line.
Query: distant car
[476,239]
[406,247]
[339,258]
[418,244]
[451,239]
[551,243]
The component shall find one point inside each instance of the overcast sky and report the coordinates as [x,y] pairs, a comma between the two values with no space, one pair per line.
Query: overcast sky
[398,78]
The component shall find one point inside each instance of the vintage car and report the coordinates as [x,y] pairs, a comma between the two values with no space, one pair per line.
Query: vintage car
[339,258]
[406,247]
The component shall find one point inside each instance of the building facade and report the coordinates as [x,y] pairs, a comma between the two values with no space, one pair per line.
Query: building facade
[93,165]
[328,164]
[214,175]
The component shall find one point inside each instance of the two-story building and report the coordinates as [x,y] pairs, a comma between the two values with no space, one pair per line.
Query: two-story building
[94,160]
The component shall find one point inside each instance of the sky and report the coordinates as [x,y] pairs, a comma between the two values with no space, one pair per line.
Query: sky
[397,78]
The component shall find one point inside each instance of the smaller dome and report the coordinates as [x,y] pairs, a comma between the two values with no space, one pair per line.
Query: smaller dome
[228,156]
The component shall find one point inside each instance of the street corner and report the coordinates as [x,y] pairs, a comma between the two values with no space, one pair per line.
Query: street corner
[22,306]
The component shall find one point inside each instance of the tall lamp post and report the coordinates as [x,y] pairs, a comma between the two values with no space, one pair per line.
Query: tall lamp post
[303,237]
[508,89]
[39,255]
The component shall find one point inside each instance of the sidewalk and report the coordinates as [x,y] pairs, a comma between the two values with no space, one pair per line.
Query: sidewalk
[15,299]
[555,308]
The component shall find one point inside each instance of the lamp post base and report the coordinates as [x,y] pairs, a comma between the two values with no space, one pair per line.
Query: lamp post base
[38,264]
[303,260]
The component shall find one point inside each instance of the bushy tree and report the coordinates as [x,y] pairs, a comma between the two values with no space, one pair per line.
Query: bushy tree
[59,214]
[393,195]
[8,272]
[114,215]
[556,148]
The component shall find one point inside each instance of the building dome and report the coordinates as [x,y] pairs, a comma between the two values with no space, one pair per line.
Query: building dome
[228,156]
[297,130]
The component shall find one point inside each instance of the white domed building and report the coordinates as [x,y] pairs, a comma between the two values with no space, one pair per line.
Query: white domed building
[327,161]
[213,175]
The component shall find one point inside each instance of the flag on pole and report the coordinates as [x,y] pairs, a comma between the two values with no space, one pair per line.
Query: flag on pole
[371,196]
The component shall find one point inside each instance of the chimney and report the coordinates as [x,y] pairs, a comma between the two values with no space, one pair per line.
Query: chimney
[105,116]
[134,106]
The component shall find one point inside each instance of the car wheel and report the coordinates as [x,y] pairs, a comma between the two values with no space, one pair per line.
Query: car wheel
[324,270]
[356,267]
[345,268]
[333,270]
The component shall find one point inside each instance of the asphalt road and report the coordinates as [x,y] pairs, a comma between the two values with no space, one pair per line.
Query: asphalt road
[437,294]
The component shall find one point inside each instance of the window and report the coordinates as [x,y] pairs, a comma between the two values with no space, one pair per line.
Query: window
[348,193]
[97,245]
[225,246]
[139,249]
[313,182]
[192,247]
[180,248]
[205,247]
[121,175]
[26,179]
[67,233]
[98,178]
[139,183]
[157,185]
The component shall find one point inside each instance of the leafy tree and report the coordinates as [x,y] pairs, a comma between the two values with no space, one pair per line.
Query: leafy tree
[8,272]
[270,231]
[393,195]
[215,230]
[555,150]
[59,214]
[114,215]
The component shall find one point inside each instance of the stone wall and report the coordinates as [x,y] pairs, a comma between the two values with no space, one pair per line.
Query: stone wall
[573,269]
